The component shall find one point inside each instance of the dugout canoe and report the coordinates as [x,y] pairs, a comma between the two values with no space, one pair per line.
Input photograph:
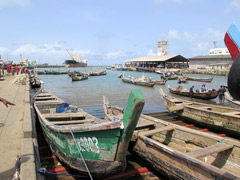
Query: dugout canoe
[76,137]
[207,80]
[183,153]
[210,94]
[219,117]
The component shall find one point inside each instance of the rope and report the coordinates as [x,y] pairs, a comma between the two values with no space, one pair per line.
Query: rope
[43,171]
[81,154]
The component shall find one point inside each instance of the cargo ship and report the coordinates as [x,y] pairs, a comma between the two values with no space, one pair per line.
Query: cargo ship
[75,61]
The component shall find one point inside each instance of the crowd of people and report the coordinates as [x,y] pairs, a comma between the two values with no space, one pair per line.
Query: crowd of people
[11,70]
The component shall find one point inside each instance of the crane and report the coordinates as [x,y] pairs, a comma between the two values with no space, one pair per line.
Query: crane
[70,55]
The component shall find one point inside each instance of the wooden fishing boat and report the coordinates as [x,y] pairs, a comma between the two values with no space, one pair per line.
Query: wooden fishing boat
[208,80]
[35,80]
[86,143]
[183,80]
[214,116]
[120,75]
[98,73]
[172,77]
[233,103]
[138,81]
[210,94]
[160,82]
[183,153]
[79,78]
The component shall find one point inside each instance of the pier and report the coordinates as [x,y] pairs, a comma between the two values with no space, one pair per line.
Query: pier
[16,131]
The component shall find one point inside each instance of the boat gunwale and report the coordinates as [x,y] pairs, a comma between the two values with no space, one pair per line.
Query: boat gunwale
[93,127]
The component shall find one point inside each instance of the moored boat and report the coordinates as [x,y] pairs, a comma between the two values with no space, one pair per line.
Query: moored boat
[206,95]
[182,153]
[208,80]
[79,78]
[232,102]
[88,144]
[138,81]
[160,82]
[214,116]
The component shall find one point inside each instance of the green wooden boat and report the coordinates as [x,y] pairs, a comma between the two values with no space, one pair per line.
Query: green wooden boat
[88,144]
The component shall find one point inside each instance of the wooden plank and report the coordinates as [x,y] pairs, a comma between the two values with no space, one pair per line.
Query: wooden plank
[210,150]
[151,132]
[144,123]
[71,122]
[64,115]
[176,108]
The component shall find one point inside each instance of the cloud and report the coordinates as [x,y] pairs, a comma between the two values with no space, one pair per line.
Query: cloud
[55,53]
[193,43]
[151,53]
[235,4]
[3,50]
[10,3]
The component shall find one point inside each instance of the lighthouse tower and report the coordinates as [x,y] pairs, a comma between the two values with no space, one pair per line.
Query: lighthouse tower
[162,48]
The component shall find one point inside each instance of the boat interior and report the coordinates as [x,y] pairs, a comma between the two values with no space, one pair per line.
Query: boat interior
[214,151]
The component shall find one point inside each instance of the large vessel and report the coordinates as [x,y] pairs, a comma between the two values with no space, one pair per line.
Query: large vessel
[76,61]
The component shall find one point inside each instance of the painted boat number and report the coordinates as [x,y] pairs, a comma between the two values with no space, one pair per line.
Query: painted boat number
[89,144]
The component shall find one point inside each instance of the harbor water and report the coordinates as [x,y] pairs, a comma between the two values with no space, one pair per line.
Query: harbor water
[87,94]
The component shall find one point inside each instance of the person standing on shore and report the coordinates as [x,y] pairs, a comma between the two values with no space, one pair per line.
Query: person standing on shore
[17,69]
[8,69]
[12,69]
[6,103]
[191,91]
[221,92]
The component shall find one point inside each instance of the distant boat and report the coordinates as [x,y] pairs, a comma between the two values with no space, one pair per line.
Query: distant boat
[138,81]
[210,94]
[76,61]
[160,82]
[79,78]
[207,80]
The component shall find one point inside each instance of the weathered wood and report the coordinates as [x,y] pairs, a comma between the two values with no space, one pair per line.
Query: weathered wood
[63,115]
[144,123]
[176,108]
[211,116]
[210,150]
[151,132]
[71,122]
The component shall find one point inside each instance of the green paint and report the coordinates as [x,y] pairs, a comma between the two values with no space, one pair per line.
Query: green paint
[95,145]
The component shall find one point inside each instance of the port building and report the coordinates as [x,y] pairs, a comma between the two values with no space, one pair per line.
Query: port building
[162,60]
[218,58]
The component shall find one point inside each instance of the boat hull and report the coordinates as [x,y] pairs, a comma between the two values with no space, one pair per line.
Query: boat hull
[74,135]
[206,95]
[72,63]
[173,150]
[218,117]
[68,153]
[207,80]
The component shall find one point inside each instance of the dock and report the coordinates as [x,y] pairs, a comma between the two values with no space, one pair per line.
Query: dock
[16,130]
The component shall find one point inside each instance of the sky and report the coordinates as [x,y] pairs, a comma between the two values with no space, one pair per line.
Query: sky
[107,32]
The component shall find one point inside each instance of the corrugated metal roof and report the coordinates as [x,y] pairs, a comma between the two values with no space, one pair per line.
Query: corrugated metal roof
[152,58]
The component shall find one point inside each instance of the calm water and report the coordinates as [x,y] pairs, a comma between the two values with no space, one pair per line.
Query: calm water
[88,94]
